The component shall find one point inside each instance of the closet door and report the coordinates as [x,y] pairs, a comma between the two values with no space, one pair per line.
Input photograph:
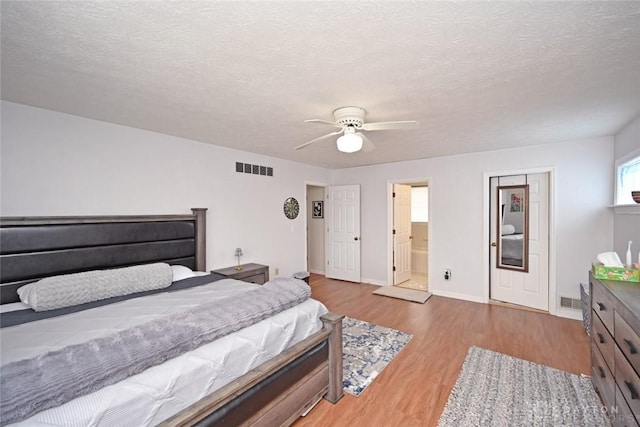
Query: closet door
[342,220]
[530,288]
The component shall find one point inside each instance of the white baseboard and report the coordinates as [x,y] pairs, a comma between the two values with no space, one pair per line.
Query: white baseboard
[560,312]
[569,313]
[373,282]
[456,295]
[362,280]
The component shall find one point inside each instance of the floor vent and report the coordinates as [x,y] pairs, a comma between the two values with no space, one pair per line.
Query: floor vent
[254,169]
[573,303]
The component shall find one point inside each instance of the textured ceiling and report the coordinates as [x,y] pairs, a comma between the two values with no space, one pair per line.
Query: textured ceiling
[476,75]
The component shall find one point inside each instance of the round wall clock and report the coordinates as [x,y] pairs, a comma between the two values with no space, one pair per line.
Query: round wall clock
[291,208]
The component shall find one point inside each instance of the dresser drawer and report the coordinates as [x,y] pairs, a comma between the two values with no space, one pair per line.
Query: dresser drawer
[602,305]
[602,378]
[603,340]
[628,341]
[622,416]
[628,381]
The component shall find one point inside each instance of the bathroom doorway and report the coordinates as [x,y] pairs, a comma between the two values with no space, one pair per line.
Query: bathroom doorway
[410,231]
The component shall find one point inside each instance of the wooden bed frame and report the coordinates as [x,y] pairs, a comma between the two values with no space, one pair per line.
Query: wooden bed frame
[275,393]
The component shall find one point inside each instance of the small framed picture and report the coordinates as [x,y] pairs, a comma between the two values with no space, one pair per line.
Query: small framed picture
[318,209]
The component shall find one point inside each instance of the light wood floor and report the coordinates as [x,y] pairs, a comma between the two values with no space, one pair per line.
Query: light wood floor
[413,389]
[418,282]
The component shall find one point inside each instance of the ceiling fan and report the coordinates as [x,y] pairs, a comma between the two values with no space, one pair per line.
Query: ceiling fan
[350,120]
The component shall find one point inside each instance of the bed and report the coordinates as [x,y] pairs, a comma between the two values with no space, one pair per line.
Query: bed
[298,362]
[512,249]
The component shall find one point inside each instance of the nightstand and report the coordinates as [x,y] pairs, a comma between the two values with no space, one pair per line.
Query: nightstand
[252,273]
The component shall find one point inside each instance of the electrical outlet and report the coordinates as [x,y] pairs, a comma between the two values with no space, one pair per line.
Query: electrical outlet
[447,274]
[277,271]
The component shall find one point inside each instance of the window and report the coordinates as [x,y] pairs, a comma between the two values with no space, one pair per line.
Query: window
[628,179]
[419,204]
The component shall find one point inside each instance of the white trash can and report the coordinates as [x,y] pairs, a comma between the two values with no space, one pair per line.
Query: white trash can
[302,275]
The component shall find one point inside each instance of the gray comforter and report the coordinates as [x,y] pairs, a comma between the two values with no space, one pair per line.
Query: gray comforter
[32,385]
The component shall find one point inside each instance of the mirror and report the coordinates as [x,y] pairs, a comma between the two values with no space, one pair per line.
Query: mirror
[513,227]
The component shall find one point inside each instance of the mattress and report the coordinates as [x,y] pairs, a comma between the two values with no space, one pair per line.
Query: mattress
[157,393]
[512,246]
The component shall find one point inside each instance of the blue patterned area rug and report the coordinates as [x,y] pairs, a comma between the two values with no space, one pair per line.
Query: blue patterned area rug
[367,349]
[497,390]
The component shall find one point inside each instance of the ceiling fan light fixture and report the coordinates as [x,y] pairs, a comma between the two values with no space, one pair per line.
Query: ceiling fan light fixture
[349,142]
[350,121]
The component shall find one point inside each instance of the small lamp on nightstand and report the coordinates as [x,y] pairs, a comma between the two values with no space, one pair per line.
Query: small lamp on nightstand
[238,254]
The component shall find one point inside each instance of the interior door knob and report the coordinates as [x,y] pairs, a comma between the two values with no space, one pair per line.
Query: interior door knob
[355,238]
[494,244]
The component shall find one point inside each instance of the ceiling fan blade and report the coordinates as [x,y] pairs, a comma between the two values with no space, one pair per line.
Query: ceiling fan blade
[323,121]
[318,139]
[410,124]
[367,145]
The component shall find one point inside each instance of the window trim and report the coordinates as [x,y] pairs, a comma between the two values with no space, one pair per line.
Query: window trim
[624,208]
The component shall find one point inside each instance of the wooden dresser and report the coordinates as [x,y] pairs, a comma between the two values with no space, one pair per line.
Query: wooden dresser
[253,273]
[615,348]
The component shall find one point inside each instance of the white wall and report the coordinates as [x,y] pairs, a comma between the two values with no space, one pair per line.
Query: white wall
[627,226]
[583,224]
[628,139]
[59,164]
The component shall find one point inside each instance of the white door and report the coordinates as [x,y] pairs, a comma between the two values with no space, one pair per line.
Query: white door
[342,221]
[530,289]
[401,233]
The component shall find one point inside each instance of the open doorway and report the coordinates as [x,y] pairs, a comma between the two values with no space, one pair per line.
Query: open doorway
[315,229]
[410,235]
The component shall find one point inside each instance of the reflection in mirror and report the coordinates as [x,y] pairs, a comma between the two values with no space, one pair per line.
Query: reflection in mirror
[513,227]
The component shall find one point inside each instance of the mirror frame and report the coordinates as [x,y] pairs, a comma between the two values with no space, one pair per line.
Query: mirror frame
[525,229]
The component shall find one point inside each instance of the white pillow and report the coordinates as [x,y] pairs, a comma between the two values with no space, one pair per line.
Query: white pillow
[508,229]
[79,288]
[181,272]
[200,273]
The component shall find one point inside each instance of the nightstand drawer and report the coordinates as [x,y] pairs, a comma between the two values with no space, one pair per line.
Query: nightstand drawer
[252,273]
[258,279]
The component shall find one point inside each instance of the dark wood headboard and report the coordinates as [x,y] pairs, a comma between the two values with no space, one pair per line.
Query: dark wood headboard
[32,248]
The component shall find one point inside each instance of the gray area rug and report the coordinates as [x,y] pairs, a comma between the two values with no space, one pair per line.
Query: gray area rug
[367,349]
[496,390]
[403,293]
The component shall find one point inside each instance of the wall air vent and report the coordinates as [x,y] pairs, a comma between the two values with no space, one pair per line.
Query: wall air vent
[572,303]
[254,169]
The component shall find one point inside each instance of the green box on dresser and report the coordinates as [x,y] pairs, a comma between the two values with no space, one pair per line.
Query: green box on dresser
[252,273]
[615,348]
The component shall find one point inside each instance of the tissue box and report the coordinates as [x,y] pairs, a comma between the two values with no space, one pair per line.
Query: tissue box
[615,273]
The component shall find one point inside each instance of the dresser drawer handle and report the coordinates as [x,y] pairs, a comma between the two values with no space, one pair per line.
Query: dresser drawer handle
[632,390]
[632,348]
[602,374]
[602,341]
[601,306]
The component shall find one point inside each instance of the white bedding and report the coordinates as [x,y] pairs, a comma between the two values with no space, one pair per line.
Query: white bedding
[159,392]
